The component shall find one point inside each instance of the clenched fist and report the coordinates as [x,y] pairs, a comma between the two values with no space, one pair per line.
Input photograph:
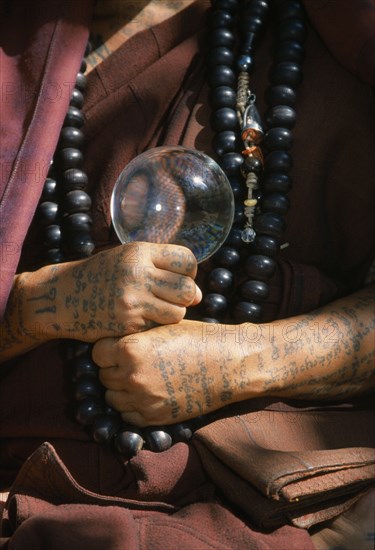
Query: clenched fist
[116,292]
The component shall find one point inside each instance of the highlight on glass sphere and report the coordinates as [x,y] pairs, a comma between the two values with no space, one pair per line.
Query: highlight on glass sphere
[173,195]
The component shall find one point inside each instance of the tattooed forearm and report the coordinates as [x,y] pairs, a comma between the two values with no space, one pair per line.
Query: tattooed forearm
[327,355]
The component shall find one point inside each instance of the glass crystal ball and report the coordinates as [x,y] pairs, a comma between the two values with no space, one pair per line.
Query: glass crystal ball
[173,195]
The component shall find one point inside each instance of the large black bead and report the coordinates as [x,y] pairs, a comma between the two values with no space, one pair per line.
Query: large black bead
[278,161]
[258,7]
[280,95]
[49,189]
[224,119]
[157,440]
[230,5]
[239,214]
[227,256]
[84,366]
[72,349]
[254,290]
[104,428]
[71,137]
[245,63]
[221,75]
[269,223]
[87,411]
[81,82]
[291,8]
[234,237]
[223,96]
[275,202]
[87,387]
[222,37]
[52,236]
[287,73]
[237,186]
[221,18]
[74,117]
[214,304]
[181,433]
[54,256]
[129,443]
[77,201]
[70,157]
[83,66]
[251,23]
[231,163]
[249,312]
[292,29]
[77,98]
[289,51]
[48,213]
[252,164]
[281,116]
[80,244]
[277,182]
[220,280]
[260,267]
[266,245]
[220,56]
[80,221]
[278,138]
[74,179]
[225,142]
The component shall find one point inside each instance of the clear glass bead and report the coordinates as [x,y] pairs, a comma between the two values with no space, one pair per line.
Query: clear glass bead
[173,195]
[248,235]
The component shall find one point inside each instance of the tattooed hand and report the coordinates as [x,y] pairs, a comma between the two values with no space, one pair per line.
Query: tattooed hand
[171,373]
[115,292]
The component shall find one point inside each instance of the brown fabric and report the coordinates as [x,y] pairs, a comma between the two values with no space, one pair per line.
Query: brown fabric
[349,32]
[293,460]
[37,78]
[47,508]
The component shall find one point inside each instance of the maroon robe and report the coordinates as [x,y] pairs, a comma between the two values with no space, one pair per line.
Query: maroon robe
[135,101]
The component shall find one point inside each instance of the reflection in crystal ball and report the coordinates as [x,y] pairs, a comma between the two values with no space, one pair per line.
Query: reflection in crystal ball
[173,195]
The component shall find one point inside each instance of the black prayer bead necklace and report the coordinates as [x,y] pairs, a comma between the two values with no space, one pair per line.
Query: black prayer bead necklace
[260,186]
